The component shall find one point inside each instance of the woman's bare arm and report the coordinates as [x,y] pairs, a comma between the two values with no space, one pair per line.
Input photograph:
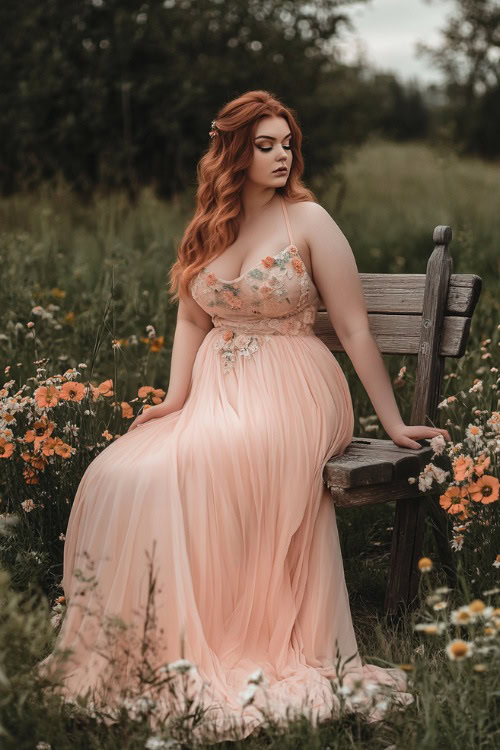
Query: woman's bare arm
[337,279]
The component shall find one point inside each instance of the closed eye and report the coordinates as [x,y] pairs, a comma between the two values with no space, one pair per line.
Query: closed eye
[268,148]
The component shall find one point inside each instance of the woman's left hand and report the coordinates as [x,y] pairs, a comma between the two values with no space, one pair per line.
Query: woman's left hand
[406,435]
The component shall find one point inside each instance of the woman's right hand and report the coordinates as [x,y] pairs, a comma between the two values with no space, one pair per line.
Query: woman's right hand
[158,410]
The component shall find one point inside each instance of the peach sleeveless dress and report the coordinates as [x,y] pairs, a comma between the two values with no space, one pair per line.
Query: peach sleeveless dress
[247,559]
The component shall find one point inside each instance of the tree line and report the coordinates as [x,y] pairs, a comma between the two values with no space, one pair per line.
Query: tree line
[121,93]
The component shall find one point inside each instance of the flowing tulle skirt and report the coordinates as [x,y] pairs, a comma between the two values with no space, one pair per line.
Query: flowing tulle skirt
[247,566]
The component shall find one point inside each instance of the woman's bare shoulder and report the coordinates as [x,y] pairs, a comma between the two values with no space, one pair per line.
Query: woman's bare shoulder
[311,217]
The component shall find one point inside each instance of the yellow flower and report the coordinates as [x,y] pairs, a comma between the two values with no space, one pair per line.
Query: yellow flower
[458,649]
[425,564]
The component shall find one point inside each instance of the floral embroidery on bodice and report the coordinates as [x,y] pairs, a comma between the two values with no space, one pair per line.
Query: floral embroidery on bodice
[276,297]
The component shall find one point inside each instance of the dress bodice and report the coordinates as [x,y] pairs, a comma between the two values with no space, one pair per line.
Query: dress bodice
[277,296]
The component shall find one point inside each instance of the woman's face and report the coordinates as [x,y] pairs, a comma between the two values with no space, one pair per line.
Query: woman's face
[271,150]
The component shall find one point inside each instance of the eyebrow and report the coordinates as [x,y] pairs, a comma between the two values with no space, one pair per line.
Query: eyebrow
[270,137]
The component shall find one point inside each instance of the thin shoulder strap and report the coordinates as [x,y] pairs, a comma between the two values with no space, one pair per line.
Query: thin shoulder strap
[283,204]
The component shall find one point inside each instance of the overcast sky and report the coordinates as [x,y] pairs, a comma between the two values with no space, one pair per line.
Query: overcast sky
[386,33]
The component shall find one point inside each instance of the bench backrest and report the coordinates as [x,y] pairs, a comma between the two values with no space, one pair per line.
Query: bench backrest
[428,315]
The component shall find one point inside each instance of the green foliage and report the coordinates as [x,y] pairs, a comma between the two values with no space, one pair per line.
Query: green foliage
[121,93]
[468,56]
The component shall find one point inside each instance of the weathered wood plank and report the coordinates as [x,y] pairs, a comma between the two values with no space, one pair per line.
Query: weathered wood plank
[408,530]
[375,493]
[403,294]
[366,462]
[400,334]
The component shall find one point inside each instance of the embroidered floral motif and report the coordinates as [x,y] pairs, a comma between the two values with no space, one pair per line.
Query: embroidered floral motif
[229,344]
[278,291]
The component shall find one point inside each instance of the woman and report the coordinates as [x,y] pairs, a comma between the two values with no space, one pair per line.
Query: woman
[225,476]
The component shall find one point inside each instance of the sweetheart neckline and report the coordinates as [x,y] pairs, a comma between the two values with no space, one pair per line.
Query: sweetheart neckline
[242,275]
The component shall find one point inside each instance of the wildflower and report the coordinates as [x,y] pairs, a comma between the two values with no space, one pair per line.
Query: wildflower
[127,411]
[106,387]
[6,448]
[462,467]
[181,665]
[496,562]
[72,391]
[28,505]
[62,537]
[458,649]
[454,499]
[482,462]
[477,606]
[46,396]
[248,695]
[461,616]
[437,444]
[431,628]
[477,387]
[438,606]
[256,677]
[457,543]
[43,746]
[485,490]
[473,432]
[425,564]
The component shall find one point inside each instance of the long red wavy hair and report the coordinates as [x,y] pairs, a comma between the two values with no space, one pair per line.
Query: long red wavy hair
[221,174]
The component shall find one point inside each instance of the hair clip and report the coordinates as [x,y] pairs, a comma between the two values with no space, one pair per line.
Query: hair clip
[213,132]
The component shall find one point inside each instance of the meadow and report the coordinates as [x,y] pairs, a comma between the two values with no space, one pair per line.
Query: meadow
[86,326]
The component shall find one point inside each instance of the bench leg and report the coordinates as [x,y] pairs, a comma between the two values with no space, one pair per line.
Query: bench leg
[406,549]
[441,527]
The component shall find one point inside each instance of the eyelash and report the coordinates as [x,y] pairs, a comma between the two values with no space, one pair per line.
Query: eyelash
[268,148]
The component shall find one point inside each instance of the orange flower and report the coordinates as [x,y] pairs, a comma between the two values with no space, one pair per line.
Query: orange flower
[7,417]
[39,462]
[106,388]
[127,411]
[231,299]
[144,391]
[6,448]
[59,293]
[425,564]
[454,500]
[106,434]
[156,344]
[71,391]
[268,261]
[485,490]
[482,462]
[46,396]
[298,266]
[462,467]
[63,450]
[49,445]
[69,317]
[30,476]
[158,395]
[41,430]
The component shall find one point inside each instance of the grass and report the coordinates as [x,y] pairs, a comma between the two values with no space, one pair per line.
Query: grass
[89,276]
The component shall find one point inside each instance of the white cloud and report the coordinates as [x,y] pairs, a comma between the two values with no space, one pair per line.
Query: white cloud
[386,32]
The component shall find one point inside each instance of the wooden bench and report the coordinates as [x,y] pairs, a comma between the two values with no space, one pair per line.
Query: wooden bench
[427,315]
